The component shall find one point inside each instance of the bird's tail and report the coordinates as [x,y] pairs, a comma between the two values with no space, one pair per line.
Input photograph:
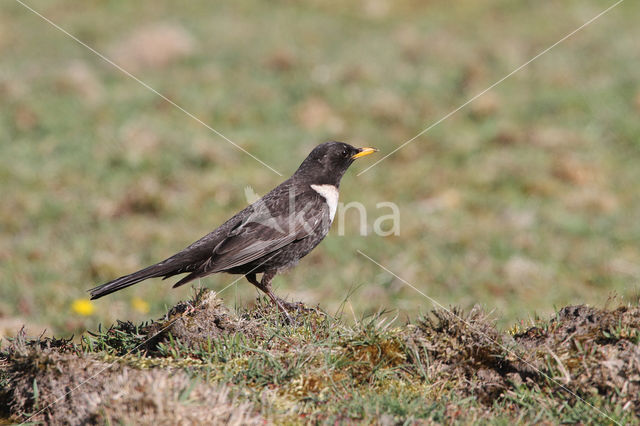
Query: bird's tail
[157,270]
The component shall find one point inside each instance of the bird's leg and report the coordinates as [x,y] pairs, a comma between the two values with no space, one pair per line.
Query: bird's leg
[253,280]
[265,286]
[290,306]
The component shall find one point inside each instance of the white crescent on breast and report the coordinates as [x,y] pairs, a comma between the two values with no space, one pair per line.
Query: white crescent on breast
[330,194]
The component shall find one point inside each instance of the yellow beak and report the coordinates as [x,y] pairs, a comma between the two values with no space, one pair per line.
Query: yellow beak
[363,152]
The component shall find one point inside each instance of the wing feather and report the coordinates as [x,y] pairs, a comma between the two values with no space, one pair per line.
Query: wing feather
[265,232]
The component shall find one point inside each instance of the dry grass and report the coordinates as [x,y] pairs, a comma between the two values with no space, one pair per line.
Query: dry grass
[113,392]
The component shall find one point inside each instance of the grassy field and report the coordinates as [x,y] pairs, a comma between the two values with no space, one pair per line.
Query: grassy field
[524,201]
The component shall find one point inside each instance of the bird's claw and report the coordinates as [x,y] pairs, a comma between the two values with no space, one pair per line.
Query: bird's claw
[281,304]
[294,306]
[286,307]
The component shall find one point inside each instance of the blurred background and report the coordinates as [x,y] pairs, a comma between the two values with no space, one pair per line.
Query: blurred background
[524,201]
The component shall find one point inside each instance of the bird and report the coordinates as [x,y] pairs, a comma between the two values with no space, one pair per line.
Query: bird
[269,236]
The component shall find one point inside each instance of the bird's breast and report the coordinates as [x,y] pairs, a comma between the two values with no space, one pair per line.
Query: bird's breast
[330,194]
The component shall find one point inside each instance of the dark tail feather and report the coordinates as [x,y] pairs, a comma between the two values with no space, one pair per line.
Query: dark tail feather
[152,271]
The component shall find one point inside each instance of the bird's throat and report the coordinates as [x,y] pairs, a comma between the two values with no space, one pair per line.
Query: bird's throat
[330,194]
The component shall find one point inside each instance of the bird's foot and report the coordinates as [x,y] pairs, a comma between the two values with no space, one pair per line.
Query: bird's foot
[283,309]
[294,306]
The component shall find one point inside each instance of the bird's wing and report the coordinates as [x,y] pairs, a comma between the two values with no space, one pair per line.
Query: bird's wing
[270,227]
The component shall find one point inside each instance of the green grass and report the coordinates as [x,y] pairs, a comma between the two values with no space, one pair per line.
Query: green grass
[523,201]
[445,367]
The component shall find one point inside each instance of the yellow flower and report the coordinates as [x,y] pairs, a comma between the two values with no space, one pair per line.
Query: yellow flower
[83,307]
[140,305]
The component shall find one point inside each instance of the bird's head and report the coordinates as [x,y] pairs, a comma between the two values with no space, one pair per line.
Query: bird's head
[328,162]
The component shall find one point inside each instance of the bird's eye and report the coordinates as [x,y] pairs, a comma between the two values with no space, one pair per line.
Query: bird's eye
[345,153]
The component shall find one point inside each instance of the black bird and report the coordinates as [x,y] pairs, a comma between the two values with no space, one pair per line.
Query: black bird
[267,237]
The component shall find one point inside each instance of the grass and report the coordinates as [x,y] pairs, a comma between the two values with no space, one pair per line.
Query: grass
[448,366]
